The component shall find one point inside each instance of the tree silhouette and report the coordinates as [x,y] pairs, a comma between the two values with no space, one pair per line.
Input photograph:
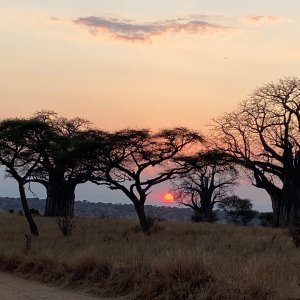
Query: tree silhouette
[137,160]
[263,136]
[64,162]
[18,155]
[208,179]
[239,210]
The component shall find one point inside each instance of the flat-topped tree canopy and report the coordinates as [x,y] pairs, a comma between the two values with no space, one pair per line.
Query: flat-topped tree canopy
[20,141]
[61,149]
[135,160]
[64,162]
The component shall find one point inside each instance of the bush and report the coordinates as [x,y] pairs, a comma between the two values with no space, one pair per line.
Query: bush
[151,220]
[66,224]
[196,217]
[266,218]
[239,210]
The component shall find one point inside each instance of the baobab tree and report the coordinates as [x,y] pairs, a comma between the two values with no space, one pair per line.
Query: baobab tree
[18,156]
[263,136]
[209,179]
[64,160]
[137,160]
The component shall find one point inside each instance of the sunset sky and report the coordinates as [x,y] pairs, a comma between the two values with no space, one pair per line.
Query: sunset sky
[143,63]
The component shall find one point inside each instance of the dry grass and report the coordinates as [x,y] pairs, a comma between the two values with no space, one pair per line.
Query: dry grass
[294,233]
[178,261]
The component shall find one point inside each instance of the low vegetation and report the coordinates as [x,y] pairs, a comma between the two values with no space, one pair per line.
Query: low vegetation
[294,233]
[113,258]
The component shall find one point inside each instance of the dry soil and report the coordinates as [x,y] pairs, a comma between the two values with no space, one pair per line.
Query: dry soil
[13,287]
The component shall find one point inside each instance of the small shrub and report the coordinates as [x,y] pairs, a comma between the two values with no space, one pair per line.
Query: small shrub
[266,218]
[151,220]
[26,267]
[294,233]
[34,211]
[153,223]
[66,225]
[11,263]
[196,217]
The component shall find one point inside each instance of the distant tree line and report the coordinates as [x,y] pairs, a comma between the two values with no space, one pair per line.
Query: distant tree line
[259,139]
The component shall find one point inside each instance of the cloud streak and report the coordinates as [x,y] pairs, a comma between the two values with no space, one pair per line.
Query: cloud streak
[140,32]
[263,19]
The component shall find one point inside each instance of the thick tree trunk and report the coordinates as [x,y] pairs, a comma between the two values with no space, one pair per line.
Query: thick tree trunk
[68,201]
[207,208]
[60,198]
[206,205]
[274,192]
[145,226]
[32,225]
[276,202]
[290,203]
[204,212]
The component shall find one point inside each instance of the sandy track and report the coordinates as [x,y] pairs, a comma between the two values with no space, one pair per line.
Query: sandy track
[12,288]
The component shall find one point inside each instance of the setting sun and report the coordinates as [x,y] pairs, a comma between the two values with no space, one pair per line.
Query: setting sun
[168,198]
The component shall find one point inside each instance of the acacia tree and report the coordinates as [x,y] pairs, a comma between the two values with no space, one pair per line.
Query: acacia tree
[19,158]
[239,210]
[137,160]
[207,181]
[64,160]
[263,136]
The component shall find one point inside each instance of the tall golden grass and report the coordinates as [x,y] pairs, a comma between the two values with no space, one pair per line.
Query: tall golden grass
[112,258]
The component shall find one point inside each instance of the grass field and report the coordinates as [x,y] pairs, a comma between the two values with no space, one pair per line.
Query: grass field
[177,261]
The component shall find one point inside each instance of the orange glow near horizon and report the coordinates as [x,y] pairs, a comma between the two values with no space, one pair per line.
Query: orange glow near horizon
[168,198]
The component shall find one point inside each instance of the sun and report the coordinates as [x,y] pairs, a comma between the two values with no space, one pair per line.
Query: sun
[168,198]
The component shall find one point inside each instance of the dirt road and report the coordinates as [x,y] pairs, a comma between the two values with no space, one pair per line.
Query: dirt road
[12,288]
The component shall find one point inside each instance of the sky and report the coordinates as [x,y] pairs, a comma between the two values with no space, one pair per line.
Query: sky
[137,63]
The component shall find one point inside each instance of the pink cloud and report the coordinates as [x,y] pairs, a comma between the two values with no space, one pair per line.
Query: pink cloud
[140,32]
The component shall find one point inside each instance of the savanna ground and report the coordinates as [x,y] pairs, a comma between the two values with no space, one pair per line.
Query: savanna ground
[13,287]
[112,258]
